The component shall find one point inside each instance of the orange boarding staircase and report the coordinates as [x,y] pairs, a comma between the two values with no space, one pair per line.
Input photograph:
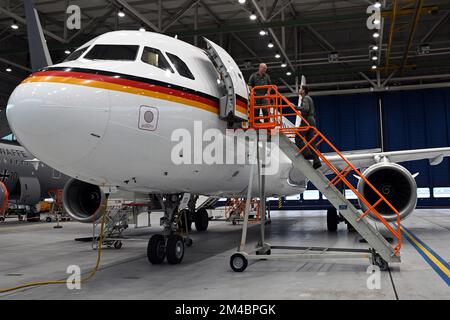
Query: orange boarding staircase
[279,108]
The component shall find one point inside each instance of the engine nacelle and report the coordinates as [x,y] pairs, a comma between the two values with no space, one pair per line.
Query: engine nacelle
[83,201]
[26,191]
[396,184]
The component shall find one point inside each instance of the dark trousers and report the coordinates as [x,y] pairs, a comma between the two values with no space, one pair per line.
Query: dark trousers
[307,153]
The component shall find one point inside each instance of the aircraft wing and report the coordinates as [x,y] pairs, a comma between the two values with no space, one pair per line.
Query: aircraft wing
[362,159]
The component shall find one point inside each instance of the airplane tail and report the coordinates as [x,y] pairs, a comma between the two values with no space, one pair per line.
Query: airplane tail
[39,54]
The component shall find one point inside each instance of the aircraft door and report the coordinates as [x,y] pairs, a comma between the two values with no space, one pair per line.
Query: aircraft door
[234,103]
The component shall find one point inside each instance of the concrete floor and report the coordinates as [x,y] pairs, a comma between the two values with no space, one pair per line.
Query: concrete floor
[37,252]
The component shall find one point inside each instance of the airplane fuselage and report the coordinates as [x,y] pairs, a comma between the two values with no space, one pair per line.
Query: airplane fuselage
[18,166]
[113,122]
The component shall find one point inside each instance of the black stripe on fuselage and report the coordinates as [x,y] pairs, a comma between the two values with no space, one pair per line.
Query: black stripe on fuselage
[141,79]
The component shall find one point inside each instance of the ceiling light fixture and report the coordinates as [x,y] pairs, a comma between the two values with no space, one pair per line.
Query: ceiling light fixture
[277,55]
[253,16]
[120,13]
[14,25]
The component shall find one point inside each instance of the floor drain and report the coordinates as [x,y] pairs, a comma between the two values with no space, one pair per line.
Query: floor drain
[14,275]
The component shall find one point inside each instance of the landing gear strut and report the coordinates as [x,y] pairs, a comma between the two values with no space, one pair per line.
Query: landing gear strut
[169,245]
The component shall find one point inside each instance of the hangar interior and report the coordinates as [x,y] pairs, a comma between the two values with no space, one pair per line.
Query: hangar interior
[383,88]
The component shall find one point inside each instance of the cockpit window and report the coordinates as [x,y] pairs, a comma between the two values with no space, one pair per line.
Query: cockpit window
[155,58]
[76,54]
[181,67]
[113,52]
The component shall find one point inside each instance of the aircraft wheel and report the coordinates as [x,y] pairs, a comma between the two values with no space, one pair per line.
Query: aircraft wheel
[175,249]
[156,249]
[48,219]
[201,220]
[332,219]
[238,262]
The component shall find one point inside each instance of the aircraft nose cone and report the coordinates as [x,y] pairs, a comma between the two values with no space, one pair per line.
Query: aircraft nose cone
[59,123]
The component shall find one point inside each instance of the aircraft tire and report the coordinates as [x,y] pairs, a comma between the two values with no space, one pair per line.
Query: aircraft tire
[201,220]
[175,249]
[156,250]
[332,220]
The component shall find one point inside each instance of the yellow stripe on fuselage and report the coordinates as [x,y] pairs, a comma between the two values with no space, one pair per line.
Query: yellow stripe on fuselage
[121,88]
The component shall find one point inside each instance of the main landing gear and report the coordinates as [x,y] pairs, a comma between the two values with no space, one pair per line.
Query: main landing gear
[333,219]
[170,245]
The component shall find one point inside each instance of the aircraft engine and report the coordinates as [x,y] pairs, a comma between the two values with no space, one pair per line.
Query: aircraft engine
[83,201]
[27,191]
[396,184]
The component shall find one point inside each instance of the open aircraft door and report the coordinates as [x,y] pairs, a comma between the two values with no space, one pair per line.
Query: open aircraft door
[234,102]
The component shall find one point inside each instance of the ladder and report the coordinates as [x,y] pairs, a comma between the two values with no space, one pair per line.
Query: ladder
[280,107]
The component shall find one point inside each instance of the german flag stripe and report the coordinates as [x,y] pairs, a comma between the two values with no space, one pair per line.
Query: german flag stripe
[133,85]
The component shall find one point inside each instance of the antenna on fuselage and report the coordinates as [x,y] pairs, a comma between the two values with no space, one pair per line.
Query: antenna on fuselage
[39,54]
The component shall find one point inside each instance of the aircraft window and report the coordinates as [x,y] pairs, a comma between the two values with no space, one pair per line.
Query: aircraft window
[76,54]
[155,58]
[181,67]
[112,52]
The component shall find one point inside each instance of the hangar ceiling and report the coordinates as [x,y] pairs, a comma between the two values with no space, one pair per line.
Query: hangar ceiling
[414,38]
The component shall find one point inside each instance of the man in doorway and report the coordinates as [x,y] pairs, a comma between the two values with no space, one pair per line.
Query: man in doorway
[307,108]
[260,78]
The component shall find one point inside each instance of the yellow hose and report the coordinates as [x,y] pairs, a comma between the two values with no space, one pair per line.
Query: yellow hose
[89,276]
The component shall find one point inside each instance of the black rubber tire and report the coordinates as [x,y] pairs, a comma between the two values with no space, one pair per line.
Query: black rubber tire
[381,263]
[238,262]
[201,220]
[189,242]
[156,250]
[182,221]
[175,249]
[48,219]
[332,220]
[118,244]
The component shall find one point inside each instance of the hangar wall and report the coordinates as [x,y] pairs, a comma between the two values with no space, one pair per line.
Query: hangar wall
[404,120]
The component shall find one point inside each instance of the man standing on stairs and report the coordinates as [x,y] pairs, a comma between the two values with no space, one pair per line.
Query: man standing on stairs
[306,107]
[260,78]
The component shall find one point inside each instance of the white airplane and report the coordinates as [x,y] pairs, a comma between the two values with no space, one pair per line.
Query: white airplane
[114,105]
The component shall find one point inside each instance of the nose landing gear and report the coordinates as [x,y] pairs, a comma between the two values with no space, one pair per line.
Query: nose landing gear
[170,245]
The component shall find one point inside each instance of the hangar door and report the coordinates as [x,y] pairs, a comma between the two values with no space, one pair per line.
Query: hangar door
[350,122]
[415,120]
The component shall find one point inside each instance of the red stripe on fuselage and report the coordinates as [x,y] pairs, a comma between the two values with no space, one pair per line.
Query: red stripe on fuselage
[128,83]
